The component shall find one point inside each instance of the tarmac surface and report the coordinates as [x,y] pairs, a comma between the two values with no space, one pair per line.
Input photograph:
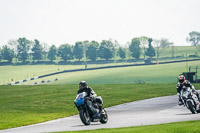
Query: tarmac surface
[144,112]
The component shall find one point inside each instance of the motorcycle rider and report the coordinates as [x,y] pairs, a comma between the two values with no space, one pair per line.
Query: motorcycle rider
[182,82]
[90,93]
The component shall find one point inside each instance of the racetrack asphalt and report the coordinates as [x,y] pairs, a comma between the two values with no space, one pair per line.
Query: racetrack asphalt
[144,112]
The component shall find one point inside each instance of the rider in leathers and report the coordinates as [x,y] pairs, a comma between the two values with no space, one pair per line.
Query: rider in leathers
[90,93]
[184,83]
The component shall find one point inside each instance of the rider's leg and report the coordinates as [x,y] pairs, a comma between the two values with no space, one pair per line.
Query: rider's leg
[196,92]
[180,102]
[100,104]
[91,108]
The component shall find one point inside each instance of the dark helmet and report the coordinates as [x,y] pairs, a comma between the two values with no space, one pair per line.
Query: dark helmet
[82,84]
[181,78]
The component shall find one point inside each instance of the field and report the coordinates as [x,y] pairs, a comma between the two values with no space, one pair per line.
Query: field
[127,74]
[161,73]
[178,51]
[28,71]
[178,127]
[24,105]
[167,52]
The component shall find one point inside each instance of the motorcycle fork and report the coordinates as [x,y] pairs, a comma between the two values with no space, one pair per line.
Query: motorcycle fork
[88,113]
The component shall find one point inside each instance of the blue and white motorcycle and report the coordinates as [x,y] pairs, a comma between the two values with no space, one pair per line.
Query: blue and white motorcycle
[190,100]
[85,114]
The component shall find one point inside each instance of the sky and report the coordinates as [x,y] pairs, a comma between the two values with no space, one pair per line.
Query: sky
[68,21]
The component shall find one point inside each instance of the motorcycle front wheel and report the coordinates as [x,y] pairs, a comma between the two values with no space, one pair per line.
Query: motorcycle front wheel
[85,118]
[191,107]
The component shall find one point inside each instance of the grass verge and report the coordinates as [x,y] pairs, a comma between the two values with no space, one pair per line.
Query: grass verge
[178,127]
[24,105]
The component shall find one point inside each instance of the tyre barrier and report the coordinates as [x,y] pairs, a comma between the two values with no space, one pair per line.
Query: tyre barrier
[21,81]
[43,82]
[36,83]
[139,82]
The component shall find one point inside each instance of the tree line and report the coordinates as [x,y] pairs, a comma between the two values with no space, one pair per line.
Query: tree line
[23,49]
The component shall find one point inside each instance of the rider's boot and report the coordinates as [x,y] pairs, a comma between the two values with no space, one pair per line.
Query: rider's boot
[180,102]
[101,111]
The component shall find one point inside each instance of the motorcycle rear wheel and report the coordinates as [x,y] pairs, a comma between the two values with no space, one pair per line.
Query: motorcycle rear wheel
[104,117]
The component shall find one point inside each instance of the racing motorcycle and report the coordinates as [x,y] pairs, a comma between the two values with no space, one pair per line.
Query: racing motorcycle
[86,115]
[190,100]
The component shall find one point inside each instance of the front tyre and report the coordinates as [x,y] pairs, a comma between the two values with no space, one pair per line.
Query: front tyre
[198,111]
[85,118]
[191,107]
[104,117]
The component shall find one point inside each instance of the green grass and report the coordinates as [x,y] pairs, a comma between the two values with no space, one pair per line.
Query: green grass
[161,73]
[178,127]
[28,71]
[178,51]
[151,74]
[24,105]
[23,72]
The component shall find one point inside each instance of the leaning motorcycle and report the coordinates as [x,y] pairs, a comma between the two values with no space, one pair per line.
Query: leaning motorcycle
[86,115]
[190,100]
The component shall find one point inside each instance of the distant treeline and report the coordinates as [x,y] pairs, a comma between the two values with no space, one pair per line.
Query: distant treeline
[26,51]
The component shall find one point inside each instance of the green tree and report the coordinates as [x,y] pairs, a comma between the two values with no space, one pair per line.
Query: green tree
[173,51]
[150,51]
[198,50]
[92,51]
[160,46]
[134,48]
[106,49]
[13,45]
[86,44]
[116,47]
[164,43]
[52,53]
[45,48]
[23,48]
[0,54]
[194,38]
[65,52]
[78,50]
[7,53]
[121,52]
[37,50]
[144,42]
